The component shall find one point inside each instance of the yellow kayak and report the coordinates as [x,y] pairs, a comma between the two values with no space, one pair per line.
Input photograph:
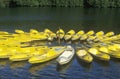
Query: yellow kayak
[77,35]
[38,36]
[84,37]
[5,52]
[98,54]
[109,34]
[69,35]
[50,38]
[19,57]
[34,31]
[50,34]
[91,32]
[26,53]
[113,54]
[6,36]
[3,33]
[84,55]
[60,33]
[47,31]
[87,35]
[19,31]
[98,38]
[91,38]
[52,53]
[100,33]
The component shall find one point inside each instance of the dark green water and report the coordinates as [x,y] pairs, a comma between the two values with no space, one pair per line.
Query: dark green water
[66,18]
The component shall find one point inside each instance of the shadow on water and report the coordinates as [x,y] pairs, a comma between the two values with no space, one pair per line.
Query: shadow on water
[102,63]
[56,42]
[38,67]
[68,42]
[3,62]
[17,64]
[116,60]
[86,66]
[77,42]
[36,43]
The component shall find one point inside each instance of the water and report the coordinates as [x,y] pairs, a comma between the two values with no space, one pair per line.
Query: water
[66,18]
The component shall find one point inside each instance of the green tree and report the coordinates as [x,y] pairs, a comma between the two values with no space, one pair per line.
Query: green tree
[4,3]
[81,3]
[97,3]
[91,2]
[105,3]
[60,3]
[44,3]
[117,3]
[53,3]
[78,3]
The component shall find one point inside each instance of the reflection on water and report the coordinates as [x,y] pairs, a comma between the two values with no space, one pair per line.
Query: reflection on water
[76,42]
[102,63]
[66,18]
[63,68]
[68,41]
[38,67]
[86,66]
[115,60]
[18,64]
[3,62]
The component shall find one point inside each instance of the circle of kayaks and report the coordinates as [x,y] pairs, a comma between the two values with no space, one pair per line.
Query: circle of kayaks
[17,46]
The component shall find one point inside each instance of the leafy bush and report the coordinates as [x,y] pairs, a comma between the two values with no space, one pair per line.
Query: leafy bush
[60,3]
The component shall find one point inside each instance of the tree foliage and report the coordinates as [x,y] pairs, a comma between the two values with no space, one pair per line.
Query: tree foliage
[61,3]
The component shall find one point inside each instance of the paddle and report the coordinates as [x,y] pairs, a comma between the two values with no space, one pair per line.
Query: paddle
[59,36]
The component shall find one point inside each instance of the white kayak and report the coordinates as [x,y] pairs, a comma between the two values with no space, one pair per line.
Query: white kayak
[66,56]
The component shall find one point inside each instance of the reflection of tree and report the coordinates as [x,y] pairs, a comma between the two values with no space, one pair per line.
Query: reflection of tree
[98,19]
